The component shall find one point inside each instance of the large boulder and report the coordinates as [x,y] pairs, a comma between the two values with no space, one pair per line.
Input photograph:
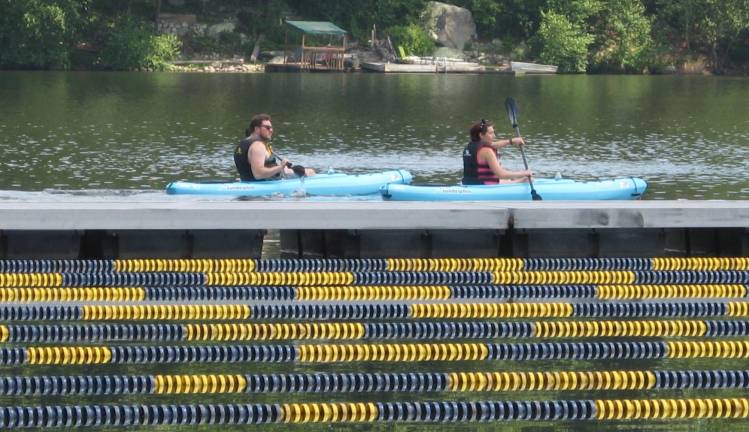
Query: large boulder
[448,25]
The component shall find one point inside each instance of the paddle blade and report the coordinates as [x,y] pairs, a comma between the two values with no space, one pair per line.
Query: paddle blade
[512,111]
[299,170]
[535,196]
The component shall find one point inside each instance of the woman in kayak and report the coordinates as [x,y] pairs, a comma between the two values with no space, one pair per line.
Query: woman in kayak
[254,156]
[481,165]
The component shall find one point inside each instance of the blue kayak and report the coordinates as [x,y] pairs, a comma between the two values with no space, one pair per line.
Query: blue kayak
[627,188]
[333,184]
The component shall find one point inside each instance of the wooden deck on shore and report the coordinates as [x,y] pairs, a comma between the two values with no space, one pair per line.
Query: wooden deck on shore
[438,67]
[297,67]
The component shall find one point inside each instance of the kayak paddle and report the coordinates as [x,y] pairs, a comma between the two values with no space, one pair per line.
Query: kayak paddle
[512,113]
[298,169]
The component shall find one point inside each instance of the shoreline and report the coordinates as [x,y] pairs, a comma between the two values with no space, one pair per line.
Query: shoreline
[234,66]
[217,66]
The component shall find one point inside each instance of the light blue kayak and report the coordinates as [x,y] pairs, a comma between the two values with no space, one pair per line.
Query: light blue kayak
[333,184]
[626,188]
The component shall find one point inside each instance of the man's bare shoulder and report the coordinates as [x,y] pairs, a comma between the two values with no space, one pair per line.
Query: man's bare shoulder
[257,144]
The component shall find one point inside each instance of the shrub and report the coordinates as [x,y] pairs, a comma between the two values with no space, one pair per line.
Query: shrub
[563,43]
[163,48]
[412,38]
[132,45]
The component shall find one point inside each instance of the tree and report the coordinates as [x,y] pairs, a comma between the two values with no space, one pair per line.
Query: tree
[711,27]
[486,14]
[563,43]
[623,37]
[39,34]
[578,12]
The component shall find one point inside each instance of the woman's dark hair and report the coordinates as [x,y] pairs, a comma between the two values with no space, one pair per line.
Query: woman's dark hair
[255,122]
[479,128]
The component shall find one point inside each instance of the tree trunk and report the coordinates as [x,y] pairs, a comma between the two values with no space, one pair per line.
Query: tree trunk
[256,48]
[158,11]
[714,53]
[686,27]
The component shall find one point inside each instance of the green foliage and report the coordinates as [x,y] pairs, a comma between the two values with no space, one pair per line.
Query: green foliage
[578,12]
[623,42]
[358,16]
[628,35]
[412,38]
[132,45]
[563,43]
[163,49]
[485,13]
[520,51]
[519,20]
[262,17]
[38,34]
[200,43]
[710,27]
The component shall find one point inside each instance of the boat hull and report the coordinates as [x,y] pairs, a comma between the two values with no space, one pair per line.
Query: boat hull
[335,184]
[627,188]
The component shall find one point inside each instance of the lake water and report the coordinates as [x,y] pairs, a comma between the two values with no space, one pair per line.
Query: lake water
[124,134]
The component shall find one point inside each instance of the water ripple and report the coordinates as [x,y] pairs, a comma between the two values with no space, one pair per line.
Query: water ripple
[92,132]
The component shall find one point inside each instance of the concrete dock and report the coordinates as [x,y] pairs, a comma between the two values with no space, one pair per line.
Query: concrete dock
[369,229]
[373,215]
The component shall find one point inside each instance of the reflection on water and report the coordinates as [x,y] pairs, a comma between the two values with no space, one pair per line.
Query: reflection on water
[687,136]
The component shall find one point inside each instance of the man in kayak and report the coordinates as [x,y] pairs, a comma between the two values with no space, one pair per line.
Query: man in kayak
[481,165]
[254,156]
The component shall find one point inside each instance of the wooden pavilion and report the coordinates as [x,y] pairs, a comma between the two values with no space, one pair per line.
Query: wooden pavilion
[322,48]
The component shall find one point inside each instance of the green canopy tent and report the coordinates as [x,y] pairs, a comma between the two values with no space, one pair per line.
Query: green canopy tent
[325,57]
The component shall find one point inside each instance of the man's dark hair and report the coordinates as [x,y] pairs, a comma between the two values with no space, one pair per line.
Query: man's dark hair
[255,122]
[479,128]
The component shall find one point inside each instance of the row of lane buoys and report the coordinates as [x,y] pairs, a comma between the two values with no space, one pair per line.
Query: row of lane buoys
[56,266]
[628,292]
[383,382]
[373,265]
[167,312]
[370,412]
[447,330]
[136,415]
[370,293]
[333,353]
[373,293]
[75,294]
[376,311]
[128,265]
[223,293]
[190,279]
[454,264]
[40,313]
[186,265]
[322,265]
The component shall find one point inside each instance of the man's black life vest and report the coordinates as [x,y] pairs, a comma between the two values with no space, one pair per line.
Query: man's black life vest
[242,162]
